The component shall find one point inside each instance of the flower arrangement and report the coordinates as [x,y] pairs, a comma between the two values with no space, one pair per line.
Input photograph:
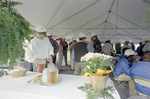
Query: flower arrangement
[96,64]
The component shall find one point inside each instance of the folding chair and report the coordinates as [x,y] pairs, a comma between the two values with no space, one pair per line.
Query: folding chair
[119,81]
[143,82]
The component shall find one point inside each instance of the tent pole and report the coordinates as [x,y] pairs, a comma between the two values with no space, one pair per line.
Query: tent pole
[117,15]
[104,31]
[55,13]
[127,31]
[74,14]
[117,32]
[94,27]
[91,28]
[130,21]
[120,33]
[85,23]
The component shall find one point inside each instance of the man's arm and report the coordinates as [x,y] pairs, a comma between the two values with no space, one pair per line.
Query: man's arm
[56,51]
[90,48]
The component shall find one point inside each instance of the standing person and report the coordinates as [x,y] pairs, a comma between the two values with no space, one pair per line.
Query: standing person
[59,56]
[133,46]
[109,41]
[118,48]
[79,50]
[141,49]
[126,44]
[146,46]
[107,48]
[71,48]
[138,49]
[55,46]
[40,47]
[141,70]
[65,49]
[97,43]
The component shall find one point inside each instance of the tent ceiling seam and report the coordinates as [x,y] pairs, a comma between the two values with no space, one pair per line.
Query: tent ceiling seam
[91,29]
[130,21]
[117,31]
[117,15]
[75,14]
[94,27]
[110,9]
[55,13]
[85,23]
[104,31]
[126,31]
[120,33]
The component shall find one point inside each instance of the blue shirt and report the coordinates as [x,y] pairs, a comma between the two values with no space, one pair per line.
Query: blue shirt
[130,63]
[122,67]
[141,70]
[54,44]
[122,56]
[89,48]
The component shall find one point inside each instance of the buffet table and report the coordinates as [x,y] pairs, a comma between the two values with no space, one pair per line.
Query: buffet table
[18,88]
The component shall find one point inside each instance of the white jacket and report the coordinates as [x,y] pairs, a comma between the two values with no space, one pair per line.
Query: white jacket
[39,49]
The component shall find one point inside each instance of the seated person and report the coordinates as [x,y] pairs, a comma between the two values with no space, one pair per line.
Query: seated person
[141,70]
[122,70]
[122,55]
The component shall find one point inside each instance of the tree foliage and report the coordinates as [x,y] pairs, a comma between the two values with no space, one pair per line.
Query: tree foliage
[14,29]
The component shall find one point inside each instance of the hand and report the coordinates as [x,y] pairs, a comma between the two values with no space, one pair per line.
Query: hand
[54,56]
[134,62]
[50,57]
[74,63]
[36,61]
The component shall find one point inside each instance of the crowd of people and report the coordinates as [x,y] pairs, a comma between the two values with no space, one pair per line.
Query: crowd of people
[126,69]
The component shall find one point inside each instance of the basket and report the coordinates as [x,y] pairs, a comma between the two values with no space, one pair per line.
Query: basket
[19,73]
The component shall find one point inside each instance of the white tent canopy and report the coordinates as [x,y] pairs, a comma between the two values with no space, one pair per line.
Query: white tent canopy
[117,20]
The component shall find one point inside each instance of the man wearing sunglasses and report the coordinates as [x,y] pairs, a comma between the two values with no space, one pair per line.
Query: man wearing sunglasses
[39,48]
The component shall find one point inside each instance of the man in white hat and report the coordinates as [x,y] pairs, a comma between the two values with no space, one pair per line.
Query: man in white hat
[79,50]
[147,45]
[59,56]
[97,43]
[122,70]
[39,48]
[71,48]
[65,49]
[55,46]
[107,48]
[126,45]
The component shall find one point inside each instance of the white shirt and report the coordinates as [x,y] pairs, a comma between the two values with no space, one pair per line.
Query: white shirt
[39,49]
[146,47]
[107,48]
[125,46]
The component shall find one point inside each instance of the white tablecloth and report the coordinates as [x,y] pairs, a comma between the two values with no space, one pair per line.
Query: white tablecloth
[18,88]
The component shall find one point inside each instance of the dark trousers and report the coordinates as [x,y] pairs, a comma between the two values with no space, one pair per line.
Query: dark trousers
[54,60]
[65,55]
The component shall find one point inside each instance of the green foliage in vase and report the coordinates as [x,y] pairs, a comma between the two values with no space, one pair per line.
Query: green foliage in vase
[106,94]
[14,29]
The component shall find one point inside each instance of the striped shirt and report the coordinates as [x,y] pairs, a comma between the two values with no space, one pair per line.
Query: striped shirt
[54,44]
